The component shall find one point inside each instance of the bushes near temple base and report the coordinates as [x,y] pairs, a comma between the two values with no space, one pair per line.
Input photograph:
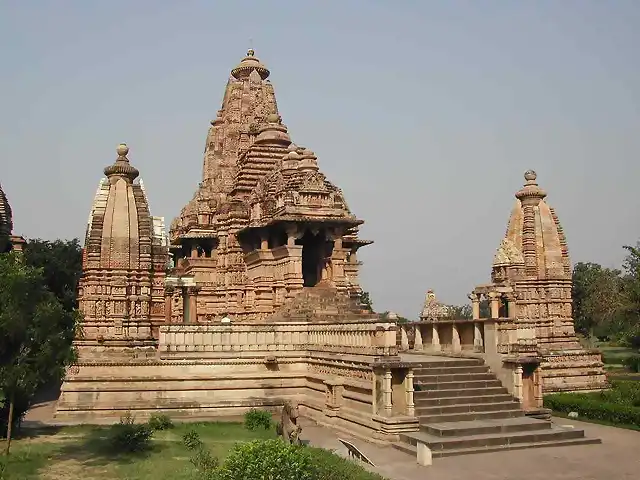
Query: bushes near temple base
[618,406]
[159,421]
[256,419]
[128,436]
[268,459]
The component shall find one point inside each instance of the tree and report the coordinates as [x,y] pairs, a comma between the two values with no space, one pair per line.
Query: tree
[459,312]
[35,334]
[61,264]
[365,301]
[631,286]
[599,302]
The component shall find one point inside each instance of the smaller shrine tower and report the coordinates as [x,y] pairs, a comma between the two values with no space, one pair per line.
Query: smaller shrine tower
[121,292]
[530,296]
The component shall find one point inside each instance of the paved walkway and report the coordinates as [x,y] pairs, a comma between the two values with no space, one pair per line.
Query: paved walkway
[617,458]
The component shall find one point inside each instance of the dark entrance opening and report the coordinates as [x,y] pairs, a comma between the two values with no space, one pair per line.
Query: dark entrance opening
[312,257]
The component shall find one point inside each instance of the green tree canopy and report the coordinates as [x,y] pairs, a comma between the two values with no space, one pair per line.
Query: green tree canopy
[36,333]
[61,264]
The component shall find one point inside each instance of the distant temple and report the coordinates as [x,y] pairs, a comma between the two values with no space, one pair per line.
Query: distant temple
[8,241]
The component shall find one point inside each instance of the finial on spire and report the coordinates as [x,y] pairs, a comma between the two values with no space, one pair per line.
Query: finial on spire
[121,166]
[530,176]
[531,192]
[122,150]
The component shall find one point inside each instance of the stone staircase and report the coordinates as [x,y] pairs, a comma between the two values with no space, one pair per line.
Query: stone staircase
[463,408]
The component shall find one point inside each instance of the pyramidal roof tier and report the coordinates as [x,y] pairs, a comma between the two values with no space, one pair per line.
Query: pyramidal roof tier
[121,233]
[247,155]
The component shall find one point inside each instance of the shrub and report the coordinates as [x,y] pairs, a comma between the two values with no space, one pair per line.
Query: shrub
[192,441]
[329,466]
[256,419]
[204,462]
[129,437]
[266,459]
[159,421]
[619,406]
[633,363]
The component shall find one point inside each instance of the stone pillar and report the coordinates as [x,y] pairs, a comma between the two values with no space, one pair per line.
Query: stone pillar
[193,305]
[435,338]
[517,383]
[411,410]
[455,338]
[511,305]
[194,251]
[264,241]
[404,338]
[494,302]
[386,385]
[475,305]
[417,345]
[477,337]
[168,303]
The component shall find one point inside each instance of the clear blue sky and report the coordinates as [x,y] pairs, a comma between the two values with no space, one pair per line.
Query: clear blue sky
[426,113]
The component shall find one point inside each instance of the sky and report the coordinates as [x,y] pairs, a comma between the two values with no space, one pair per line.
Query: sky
[426,113]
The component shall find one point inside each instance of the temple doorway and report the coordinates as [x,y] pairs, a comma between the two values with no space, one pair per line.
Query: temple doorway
[312,257]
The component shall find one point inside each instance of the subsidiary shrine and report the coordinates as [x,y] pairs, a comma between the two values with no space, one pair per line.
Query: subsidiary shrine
[253,299]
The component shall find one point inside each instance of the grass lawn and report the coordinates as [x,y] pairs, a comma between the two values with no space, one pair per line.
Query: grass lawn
[613,357]
[78,453]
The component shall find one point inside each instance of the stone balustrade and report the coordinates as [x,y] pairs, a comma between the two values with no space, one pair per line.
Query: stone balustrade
[362,338]
[445,335]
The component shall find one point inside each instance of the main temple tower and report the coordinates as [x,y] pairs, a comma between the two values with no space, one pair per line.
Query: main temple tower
[264,222]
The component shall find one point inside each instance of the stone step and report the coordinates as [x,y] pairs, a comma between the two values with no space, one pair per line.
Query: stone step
[477,400]
[435,384]
[438,444]
[454,378]
[449,363]
[439,392]
[412,450]
[481,427]
[427,412]
[470,416]
[418,372]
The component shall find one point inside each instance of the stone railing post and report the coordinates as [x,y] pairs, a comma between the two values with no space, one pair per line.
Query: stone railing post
[411,410]
[435,338]
[418,337]
[475,305]
[478,344]
[404,338]
[387,390]
[455,338]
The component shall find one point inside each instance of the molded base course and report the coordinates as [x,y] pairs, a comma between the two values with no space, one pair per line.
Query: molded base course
[93,392]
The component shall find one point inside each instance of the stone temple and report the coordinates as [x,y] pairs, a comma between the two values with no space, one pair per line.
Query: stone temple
[254,299]
[8,241]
